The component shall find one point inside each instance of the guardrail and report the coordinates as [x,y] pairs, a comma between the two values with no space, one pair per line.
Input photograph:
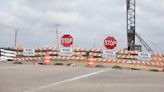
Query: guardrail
[7,55]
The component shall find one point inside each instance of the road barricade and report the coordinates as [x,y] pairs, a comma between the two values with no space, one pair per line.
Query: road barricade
[80,54]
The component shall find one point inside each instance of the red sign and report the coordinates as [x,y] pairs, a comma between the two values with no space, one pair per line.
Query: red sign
[110,42]
[66,40]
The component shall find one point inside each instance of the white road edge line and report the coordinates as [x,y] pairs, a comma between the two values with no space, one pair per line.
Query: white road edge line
[67,80]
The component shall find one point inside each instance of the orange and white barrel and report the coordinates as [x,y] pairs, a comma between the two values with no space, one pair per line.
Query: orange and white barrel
[46,59]
[90,61]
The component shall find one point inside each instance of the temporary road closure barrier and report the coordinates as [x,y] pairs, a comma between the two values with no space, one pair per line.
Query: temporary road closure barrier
[81,54]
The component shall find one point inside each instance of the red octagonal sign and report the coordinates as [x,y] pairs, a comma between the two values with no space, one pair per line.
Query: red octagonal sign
[66,40]
[110,42]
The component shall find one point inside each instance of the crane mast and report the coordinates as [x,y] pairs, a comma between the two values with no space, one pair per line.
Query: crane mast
[131,24]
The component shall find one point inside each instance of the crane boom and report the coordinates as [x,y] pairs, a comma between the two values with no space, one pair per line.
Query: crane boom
[142,41]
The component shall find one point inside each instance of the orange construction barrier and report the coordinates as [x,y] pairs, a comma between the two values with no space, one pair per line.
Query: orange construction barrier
[46,59]
[90,61]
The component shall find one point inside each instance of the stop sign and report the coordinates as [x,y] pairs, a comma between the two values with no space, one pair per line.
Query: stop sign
[110,42]
[66,40]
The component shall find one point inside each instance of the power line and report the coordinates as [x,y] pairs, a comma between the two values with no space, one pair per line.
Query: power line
[29,29]
[15,29]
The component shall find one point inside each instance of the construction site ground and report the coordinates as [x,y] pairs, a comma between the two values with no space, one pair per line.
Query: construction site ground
[33,77]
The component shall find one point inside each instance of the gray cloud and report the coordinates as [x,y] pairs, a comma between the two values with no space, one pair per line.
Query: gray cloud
[88,21]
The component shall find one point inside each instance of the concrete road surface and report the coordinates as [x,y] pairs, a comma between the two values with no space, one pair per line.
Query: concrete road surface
[51,78]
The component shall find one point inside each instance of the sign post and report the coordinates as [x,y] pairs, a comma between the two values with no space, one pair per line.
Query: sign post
[66,40]
[29,52]
[110,42]
[144,56]
[66,52]
[109,54]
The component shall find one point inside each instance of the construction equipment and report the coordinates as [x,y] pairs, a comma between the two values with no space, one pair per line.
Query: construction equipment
[131,33]
[142,41]
[131,24]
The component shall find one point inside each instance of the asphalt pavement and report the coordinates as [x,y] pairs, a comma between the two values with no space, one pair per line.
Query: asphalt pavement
[53,78]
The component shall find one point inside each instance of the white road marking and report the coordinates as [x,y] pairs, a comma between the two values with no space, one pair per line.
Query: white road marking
[67,80]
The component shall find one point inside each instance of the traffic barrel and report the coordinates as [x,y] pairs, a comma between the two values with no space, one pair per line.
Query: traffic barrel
[90,61]
[46,59]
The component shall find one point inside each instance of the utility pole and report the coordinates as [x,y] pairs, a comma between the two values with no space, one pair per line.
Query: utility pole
[94,45]
[16,31]
[57,35]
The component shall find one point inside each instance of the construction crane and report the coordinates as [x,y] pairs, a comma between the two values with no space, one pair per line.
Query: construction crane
[131,26]
[142,41]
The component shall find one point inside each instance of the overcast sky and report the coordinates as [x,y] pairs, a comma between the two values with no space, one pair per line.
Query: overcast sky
[88,21]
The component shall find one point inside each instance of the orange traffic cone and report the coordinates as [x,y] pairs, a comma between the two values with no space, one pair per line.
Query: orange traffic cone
[90,61]
[46,59]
